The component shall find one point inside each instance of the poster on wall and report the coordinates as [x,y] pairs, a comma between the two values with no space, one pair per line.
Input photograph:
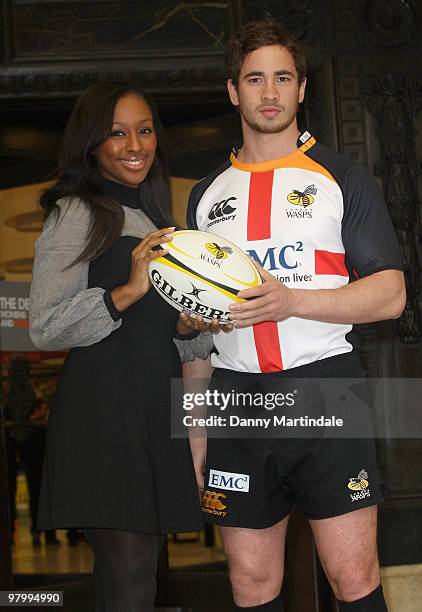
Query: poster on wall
[14,317]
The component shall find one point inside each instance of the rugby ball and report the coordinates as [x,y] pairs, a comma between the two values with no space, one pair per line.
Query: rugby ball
[202,274]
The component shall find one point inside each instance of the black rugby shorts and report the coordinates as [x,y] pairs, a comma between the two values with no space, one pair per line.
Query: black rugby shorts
[256,482]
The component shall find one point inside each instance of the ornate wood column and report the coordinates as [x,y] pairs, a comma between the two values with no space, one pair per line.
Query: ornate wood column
[395,101]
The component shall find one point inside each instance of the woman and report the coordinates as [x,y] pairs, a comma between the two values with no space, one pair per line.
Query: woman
[111,466]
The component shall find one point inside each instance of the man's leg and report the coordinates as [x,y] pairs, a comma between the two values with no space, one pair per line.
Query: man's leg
[256,563]
[347,548]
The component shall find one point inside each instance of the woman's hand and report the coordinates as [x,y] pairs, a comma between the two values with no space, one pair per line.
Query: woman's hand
[187,324]
[139,283]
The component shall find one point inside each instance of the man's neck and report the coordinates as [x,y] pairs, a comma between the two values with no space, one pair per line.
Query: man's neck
[258,147]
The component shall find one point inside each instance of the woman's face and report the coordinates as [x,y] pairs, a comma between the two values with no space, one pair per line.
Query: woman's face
[127,154]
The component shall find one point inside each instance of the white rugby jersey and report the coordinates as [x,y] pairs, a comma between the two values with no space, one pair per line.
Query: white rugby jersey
[314,220]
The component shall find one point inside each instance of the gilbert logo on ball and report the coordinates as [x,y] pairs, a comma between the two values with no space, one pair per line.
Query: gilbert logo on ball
[202,274]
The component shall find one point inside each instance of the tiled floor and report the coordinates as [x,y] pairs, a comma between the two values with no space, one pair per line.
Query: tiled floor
[403,587]
[64,558]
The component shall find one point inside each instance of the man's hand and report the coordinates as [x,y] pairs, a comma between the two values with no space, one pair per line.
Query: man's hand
[271,301]
[378,297]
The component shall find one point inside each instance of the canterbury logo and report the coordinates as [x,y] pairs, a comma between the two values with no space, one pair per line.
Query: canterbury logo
[211,500]
[221,209]
[360,483]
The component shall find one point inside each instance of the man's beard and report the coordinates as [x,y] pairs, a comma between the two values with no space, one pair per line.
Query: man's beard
[272,126]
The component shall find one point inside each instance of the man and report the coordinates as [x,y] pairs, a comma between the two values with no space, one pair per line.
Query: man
[313,220]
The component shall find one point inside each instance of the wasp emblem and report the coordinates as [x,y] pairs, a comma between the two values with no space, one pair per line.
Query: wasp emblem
[359,483]
[219,252]
[302,198]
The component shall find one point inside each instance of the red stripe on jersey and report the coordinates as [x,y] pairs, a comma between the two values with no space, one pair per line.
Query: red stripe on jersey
[330,263]
[259,207]
[267,342]
[267,345]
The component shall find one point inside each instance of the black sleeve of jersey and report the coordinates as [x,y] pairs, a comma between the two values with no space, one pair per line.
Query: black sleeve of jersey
[193,202]
[198,191]
[368,234]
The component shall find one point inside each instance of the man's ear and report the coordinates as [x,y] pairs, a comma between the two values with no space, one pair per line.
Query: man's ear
[232,89]
[302,88]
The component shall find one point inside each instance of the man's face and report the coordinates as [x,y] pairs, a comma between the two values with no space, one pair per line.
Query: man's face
[268,93]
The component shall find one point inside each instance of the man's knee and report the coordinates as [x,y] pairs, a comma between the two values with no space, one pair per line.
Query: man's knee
[350,584]
[250,578]
[242,577]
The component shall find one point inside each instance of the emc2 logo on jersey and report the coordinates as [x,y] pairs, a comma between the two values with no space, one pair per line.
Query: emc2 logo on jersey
[222,211]
[276,258]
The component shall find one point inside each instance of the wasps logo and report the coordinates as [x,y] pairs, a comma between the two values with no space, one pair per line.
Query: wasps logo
[360,483]
[302,198]
[219,252]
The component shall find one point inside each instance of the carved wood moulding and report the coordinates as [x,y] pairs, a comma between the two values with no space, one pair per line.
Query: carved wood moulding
[72,79]
[389,23]
[308,20]
[395,101]
[58,48]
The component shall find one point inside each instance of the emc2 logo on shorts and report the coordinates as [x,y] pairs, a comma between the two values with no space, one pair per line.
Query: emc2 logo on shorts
[230,481]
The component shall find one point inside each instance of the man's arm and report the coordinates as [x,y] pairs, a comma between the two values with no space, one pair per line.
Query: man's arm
[196,375]
[377,297]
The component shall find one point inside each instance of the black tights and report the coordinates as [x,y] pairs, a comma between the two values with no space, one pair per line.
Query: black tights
[125,569]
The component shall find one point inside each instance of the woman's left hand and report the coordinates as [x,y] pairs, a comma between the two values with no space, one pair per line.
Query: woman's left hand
[186,325]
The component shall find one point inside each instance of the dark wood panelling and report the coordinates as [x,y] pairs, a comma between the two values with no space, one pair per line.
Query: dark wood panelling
[57,49]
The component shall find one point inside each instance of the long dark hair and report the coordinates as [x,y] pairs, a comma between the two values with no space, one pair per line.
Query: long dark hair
[78,174]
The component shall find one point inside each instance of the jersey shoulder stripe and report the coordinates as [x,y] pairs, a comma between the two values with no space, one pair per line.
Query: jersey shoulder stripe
[337,165]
